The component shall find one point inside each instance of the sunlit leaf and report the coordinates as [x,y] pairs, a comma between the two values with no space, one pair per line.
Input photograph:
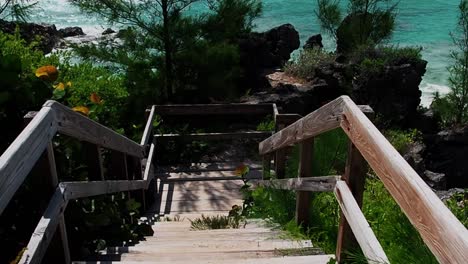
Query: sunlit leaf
[95,98]
[47,73]
[60,86]
[81,109]
[242,170]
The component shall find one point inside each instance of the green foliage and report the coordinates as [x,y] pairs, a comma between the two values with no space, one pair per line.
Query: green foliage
[308,61]
[274,205]
[458,205]
[453,108]
[402,140]
[367,23]
[167,54]
[16,9]
[268,124]
[215,222]
[372,61]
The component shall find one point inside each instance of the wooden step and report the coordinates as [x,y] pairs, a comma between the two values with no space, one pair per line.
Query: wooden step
[206,176]
[216,166]
[200,185]
[314,259]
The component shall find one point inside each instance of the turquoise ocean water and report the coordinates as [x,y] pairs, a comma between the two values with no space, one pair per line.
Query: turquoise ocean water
[424,23]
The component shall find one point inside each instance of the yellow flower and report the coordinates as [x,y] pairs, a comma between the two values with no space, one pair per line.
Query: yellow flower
[69,84]
[95,98]
[60,86]
[81,109]
[47,73]
[242,170]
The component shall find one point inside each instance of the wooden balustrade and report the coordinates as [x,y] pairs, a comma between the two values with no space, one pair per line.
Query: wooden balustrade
[130,169]
[445,236]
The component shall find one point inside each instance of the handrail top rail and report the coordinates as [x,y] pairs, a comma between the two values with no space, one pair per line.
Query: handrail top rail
[441,231]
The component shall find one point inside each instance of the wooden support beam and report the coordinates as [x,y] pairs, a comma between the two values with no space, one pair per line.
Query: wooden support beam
[305,171]
[213,109]
[145,139]
[312,184]
[442,232]
[82,128]
[45,230]
[214,136]
[76,190]
[280,158]
[354,177]
[94,161]
[365,237]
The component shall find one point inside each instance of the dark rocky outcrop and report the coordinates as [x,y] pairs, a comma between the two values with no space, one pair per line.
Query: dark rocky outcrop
[314,42]
[71,32]
[447,153]
[394,93]
[108,31]
[48,34]
[267,50]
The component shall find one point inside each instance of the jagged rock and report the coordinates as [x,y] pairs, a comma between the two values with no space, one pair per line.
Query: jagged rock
[448,194]
[447,153]
[314,42]
[267,50]
[49,36]
[71,32]
[394,94]
[415,157]
[108,31]
[435,180]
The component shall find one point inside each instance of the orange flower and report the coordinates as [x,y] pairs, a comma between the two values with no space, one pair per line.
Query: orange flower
[47,73]
[60,86]
[242,170]
[95,98]
[81,109]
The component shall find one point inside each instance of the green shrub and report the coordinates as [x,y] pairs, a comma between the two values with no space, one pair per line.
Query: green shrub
[215,222]
[307,62]
[402,140]
[373,60]
[458,205]
[268,124]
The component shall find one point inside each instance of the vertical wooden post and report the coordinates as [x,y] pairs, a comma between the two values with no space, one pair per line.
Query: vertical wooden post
[355,177]
[280,158]
[48,168]
[305,170]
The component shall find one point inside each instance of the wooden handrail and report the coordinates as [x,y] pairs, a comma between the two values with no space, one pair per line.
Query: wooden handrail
[445,236]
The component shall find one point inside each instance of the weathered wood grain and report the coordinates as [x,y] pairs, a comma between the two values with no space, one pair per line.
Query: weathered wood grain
[369,244]
[18,160]
[305,171]
[441,231]
[213,109]
[80,127]
[322,120]
[148,174]
[76,190]
[311,184]
[44,231]
[355,177]
[214,136]
[148,127]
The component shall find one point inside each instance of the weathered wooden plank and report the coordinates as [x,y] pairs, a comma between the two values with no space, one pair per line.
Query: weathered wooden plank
[148,174]
[76,190]
[311,184]
[214,136]
[45,229]
[80,127]
[355,177]
[215,166]
[18,160]
[305,171]
[213,109]
[148,127]
[322,120]
[441,231]
[369,244]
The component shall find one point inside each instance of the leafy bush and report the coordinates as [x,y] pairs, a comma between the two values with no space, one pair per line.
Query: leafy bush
[307,62]
[374,60]
[402,140]
[458,205]
[268,124]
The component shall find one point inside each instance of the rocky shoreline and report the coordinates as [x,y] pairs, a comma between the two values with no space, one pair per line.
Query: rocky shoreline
[394,95]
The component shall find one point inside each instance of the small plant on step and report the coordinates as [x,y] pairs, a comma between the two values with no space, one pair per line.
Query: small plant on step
[215,222]
[242,171]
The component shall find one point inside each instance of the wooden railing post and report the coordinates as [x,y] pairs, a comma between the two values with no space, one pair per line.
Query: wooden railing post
[280,158]
[94,161]
[355,177]
[48,168]
[305,170]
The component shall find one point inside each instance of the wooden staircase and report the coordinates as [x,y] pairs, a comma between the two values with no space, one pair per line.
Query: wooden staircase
[185,192]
